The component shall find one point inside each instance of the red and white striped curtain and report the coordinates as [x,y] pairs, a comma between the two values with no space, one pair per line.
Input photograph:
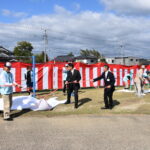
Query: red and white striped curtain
[49,75]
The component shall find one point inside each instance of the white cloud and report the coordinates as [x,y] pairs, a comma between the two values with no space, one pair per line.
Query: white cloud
[130,7]
[69,31]
[61,10]
[8,13]
[76,6]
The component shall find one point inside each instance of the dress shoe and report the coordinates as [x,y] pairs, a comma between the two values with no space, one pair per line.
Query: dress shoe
[104,107]
[67,103]
[111,107]
[76,106]
[8,119]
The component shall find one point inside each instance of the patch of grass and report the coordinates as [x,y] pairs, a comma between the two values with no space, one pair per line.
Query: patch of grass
[90,102]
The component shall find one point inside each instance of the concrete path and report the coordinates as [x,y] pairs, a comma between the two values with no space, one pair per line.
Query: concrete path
[76,133]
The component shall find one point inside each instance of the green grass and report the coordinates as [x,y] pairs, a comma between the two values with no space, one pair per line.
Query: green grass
[90,101]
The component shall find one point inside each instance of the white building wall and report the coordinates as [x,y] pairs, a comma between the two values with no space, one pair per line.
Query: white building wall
[87,61]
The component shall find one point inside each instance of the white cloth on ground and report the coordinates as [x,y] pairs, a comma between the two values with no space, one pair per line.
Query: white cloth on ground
[28,102]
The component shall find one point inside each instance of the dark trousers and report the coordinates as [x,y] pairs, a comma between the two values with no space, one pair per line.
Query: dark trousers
[29,87]
[64,88]
[71,88]
[108,97]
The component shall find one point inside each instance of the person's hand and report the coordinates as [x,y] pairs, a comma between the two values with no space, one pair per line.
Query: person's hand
[109,86]
[66,82]
[14,84]
[19,86]
[75,81]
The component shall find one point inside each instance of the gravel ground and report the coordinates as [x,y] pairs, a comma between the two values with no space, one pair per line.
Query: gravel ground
[84,132]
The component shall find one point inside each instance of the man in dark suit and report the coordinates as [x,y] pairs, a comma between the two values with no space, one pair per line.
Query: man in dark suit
[72,82]
[29,80]
[109,81]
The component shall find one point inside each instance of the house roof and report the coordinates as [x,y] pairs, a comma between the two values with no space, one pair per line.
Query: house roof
[86,57]
[5,51]
[130,57]
[3,55]
[64,58]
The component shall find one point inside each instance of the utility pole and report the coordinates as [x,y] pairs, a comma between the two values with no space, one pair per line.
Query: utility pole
[122,53]
[45,44]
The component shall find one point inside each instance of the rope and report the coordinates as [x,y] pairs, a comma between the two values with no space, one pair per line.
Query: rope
[44,97]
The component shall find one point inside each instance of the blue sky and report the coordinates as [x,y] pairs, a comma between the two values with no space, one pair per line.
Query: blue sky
[72,25]
[39,7]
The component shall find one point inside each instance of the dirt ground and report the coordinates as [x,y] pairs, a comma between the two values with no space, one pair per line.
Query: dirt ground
[90,102]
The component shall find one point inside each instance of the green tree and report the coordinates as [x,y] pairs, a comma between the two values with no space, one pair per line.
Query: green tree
[70,54]
[40,57]
[90,53]
[103,60]
[23,48]
[85,52]
[93,52]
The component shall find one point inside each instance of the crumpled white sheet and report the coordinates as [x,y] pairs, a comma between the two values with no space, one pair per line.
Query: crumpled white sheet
[146,91]
[129,91]
[28,102]
[126,91]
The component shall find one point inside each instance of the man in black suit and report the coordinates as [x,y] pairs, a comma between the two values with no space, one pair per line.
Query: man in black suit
[109,81]
[72,82]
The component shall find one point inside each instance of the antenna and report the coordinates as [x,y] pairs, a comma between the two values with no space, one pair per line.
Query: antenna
[45,37]
[122,53]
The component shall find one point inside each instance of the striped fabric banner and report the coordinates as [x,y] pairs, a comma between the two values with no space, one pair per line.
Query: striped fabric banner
[50,76]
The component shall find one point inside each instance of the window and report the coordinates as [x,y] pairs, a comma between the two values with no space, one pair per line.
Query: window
[112,61]
[92,61]
[131,59]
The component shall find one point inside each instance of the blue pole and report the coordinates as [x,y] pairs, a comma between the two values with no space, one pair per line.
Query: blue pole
[34,82]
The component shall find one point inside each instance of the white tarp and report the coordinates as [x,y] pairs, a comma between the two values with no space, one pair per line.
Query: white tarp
[126,91]
[147,91]
[129,91]
[28,102]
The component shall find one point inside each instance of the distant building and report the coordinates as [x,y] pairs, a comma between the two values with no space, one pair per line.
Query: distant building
[6,55]
[86,59]
[82,59]
[64,58]
[128,61]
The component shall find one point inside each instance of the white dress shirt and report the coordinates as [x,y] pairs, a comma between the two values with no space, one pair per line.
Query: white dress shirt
[72,71]
[106,73]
